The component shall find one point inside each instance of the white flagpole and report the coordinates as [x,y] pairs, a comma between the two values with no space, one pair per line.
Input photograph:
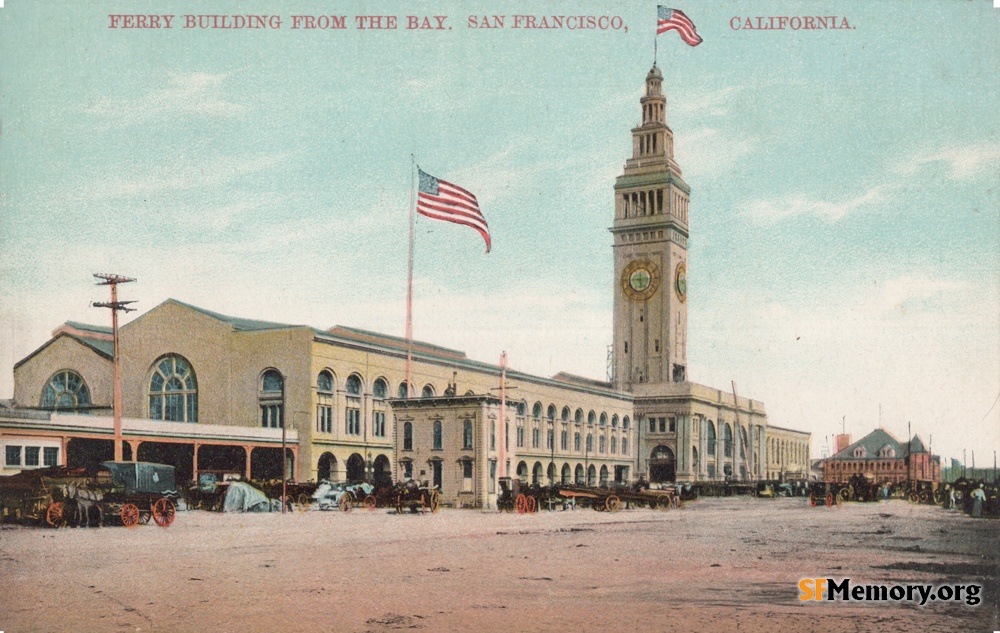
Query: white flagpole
[409,286]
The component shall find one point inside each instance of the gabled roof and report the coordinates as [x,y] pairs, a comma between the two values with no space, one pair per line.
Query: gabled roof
[878,439]
[101,346]
[237,323]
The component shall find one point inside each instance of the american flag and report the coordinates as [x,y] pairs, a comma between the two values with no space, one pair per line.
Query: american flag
[674,20]
[442,200]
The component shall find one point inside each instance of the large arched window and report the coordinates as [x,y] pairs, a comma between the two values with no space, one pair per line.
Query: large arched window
[536,411]
[272,399]
[173,391]
[625,423]
[727,440]
[710,439]
[403,392]
[428,391]
[66,391]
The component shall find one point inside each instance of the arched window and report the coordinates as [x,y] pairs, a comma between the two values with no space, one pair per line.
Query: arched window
[604,420]
[324,382]
[625,423]
[604,476]
[522,409]
[614,421]
[352,413]
[551,413]
[272,399]
[380,390]
[407,436]
[710,439]
[66,391]
[727,439]
[402,393]
[438,435]
[173,391]
[536,411]
[467,435]
[324,406]
[428,391]
[565,414]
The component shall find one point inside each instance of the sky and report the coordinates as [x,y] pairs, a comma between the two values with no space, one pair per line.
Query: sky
[844,257]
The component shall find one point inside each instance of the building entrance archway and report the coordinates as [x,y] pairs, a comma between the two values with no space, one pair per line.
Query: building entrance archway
[662,465]
[327,467]
[355,468]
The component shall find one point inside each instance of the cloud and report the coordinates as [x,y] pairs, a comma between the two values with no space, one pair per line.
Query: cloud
[797,205]
[961,163]
[194,94]
[183,176]
[707,151]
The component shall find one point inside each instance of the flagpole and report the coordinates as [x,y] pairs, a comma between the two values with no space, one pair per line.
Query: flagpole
[409,286]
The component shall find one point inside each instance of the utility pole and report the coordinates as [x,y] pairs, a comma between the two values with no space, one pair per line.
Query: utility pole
[116,306]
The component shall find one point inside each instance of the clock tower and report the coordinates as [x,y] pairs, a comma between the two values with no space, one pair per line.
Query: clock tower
[650,250]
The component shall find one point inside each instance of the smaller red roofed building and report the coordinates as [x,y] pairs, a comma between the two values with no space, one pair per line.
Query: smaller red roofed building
[883,458]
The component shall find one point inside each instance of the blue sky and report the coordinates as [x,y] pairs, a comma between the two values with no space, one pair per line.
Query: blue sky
[845,225]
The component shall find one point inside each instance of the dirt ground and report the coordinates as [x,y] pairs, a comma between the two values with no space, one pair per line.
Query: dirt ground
[716,565]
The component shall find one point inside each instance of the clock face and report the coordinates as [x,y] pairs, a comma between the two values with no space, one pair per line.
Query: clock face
[680,281]
[640,279]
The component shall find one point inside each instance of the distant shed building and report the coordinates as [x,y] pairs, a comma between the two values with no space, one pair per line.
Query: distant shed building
[882,457]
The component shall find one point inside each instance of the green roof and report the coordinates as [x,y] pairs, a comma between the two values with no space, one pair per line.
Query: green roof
[873,443]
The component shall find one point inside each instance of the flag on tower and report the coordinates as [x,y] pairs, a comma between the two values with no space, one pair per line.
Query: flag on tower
[674,20]
[441,200]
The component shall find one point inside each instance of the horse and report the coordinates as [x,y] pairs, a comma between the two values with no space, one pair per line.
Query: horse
[85,500]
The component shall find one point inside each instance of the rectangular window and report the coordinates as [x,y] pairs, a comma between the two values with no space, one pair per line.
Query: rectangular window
[379,422]
[352,424]
[272,416]
[535,438]
[550,441]
[652,425]
[493,476]
[467,436]
[520,437]
[13,455]
[31,455]
[564,440]
[408,470]
[156,407]
[50,455]
[467,476]
[663,425]
[673,425]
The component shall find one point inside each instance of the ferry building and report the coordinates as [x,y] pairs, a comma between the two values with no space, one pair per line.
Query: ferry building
[211,392]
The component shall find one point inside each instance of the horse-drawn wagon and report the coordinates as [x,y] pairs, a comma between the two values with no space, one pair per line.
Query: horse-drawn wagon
[329,495]
[136,492]
[416,497]
[38,496]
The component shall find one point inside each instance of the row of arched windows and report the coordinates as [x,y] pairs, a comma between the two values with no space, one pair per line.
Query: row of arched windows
[577,417]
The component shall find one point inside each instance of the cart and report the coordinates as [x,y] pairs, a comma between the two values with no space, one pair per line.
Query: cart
[135,492]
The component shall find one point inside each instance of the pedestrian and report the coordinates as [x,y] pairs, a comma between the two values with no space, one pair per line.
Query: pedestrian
[978,498]
[951,498]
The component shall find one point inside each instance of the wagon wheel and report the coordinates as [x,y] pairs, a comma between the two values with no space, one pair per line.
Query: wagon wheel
[612,503]
[521,503]
[302,502]
[164,512]
[844,494]
[55,514]
[812,500]
[370,502]
[829,499]
[345,502]
[938,497]
[130,515]
[532,505]
[435,501]
[924,497]
[913,497]
[663,503]
[144,517]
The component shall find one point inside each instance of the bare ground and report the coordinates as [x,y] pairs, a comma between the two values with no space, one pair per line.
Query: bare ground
[717,565]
